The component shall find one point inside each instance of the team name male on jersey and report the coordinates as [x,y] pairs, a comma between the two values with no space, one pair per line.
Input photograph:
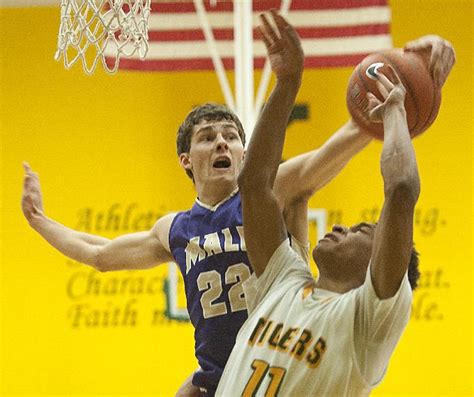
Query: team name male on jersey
[230,239]
[296,342]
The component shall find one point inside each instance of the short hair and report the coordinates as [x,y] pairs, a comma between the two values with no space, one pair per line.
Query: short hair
[413,270]
[208,112]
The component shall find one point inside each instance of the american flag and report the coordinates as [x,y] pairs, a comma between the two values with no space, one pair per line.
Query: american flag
[333,33]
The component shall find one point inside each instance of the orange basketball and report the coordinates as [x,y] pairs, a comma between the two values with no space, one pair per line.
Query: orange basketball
[422,99]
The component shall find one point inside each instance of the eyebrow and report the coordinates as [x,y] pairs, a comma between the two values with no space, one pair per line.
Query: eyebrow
[360,225]
[232,125]
[203,129]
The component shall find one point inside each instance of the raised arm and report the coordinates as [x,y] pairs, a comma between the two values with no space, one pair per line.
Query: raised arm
[263,220]
[302,176]
[140,250]
[393,240]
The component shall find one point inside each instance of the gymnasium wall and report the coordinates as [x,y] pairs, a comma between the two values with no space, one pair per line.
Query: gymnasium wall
[104,147]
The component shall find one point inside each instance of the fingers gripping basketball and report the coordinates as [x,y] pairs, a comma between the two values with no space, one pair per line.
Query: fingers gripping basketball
[392,91]
[422,99]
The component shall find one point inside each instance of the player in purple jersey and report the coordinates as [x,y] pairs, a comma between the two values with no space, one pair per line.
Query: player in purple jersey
[207,241]
[208,246]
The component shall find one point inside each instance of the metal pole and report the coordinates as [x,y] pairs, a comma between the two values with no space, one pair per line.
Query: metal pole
[243,56]
[238,68]
[248,71]
[216,60]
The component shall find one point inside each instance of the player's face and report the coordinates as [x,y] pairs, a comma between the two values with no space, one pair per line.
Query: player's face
[216,152]
[346,245]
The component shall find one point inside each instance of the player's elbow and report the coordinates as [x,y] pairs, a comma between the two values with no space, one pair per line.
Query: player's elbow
[244,180]
[251,182]
[404,190]
[100,261]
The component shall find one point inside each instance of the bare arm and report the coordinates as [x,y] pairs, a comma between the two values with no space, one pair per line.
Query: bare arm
[302,176]
[393,240]
[263,220]
[133,251]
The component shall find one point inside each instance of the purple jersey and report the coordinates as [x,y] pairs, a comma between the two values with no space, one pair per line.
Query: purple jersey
[209,248]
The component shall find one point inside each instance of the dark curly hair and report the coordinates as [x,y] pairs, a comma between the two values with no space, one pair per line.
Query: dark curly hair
[208,112]
[413,270]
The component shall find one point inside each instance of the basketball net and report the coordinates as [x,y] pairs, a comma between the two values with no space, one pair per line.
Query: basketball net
[91,28]
[110,29]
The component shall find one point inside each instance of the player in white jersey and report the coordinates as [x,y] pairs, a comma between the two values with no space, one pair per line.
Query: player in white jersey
[333,336]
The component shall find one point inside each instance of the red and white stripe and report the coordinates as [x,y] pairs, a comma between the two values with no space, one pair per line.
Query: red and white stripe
[333,33]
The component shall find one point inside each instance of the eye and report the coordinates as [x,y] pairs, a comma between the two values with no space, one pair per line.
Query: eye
[232,136]
[364,229]
[358,228]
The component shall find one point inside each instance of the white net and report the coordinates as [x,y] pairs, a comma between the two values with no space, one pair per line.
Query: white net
[105,30]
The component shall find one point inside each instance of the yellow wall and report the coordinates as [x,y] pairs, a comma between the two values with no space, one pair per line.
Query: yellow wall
[105,147]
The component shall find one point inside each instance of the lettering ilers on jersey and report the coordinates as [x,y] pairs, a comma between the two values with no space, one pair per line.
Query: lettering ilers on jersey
[297,343]
[201,247]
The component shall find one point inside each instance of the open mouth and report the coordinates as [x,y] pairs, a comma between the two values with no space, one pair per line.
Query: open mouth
[221,163]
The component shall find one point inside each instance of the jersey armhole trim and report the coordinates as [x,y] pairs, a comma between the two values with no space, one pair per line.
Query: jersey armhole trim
[177,215]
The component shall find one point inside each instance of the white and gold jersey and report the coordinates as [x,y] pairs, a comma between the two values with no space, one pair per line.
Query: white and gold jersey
[304,341]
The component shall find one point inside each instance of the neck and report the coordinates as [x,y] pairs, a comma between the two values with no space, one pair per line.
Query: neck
[338,286]
[215,193]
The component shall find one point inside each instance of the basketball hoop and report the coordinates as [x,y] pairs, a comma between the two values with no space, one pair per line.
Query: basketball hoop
[98,29]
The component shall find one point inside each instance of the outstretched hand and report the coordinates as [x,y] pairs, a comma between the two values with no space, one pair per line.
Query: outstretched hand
[437,53]
[392,90]
[283,47]
[31,200]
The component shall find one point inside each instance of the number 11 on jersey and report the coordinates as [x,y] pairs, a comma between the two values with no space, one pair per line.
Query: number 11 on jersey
[260,370]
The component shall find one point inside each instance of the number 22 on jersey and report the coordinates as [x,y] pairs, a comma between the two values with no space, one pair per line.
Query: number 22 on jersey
[211,283]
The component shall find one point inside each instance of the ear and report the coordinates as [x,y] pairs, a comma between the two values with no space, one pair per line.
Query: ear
[185,161]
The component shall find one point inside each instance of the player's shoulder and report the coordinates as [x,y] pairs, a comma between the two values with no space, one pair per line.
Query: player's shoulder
[284,262]
[161,229]
[403,295]
[166,220]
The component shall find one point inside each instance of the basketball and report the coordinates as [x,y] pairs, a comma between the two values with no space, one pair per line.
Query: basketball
[422,99]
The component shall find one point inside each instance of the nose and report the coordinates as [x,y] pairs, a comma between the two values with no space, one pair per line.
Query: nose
[340,229]
[221,143]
